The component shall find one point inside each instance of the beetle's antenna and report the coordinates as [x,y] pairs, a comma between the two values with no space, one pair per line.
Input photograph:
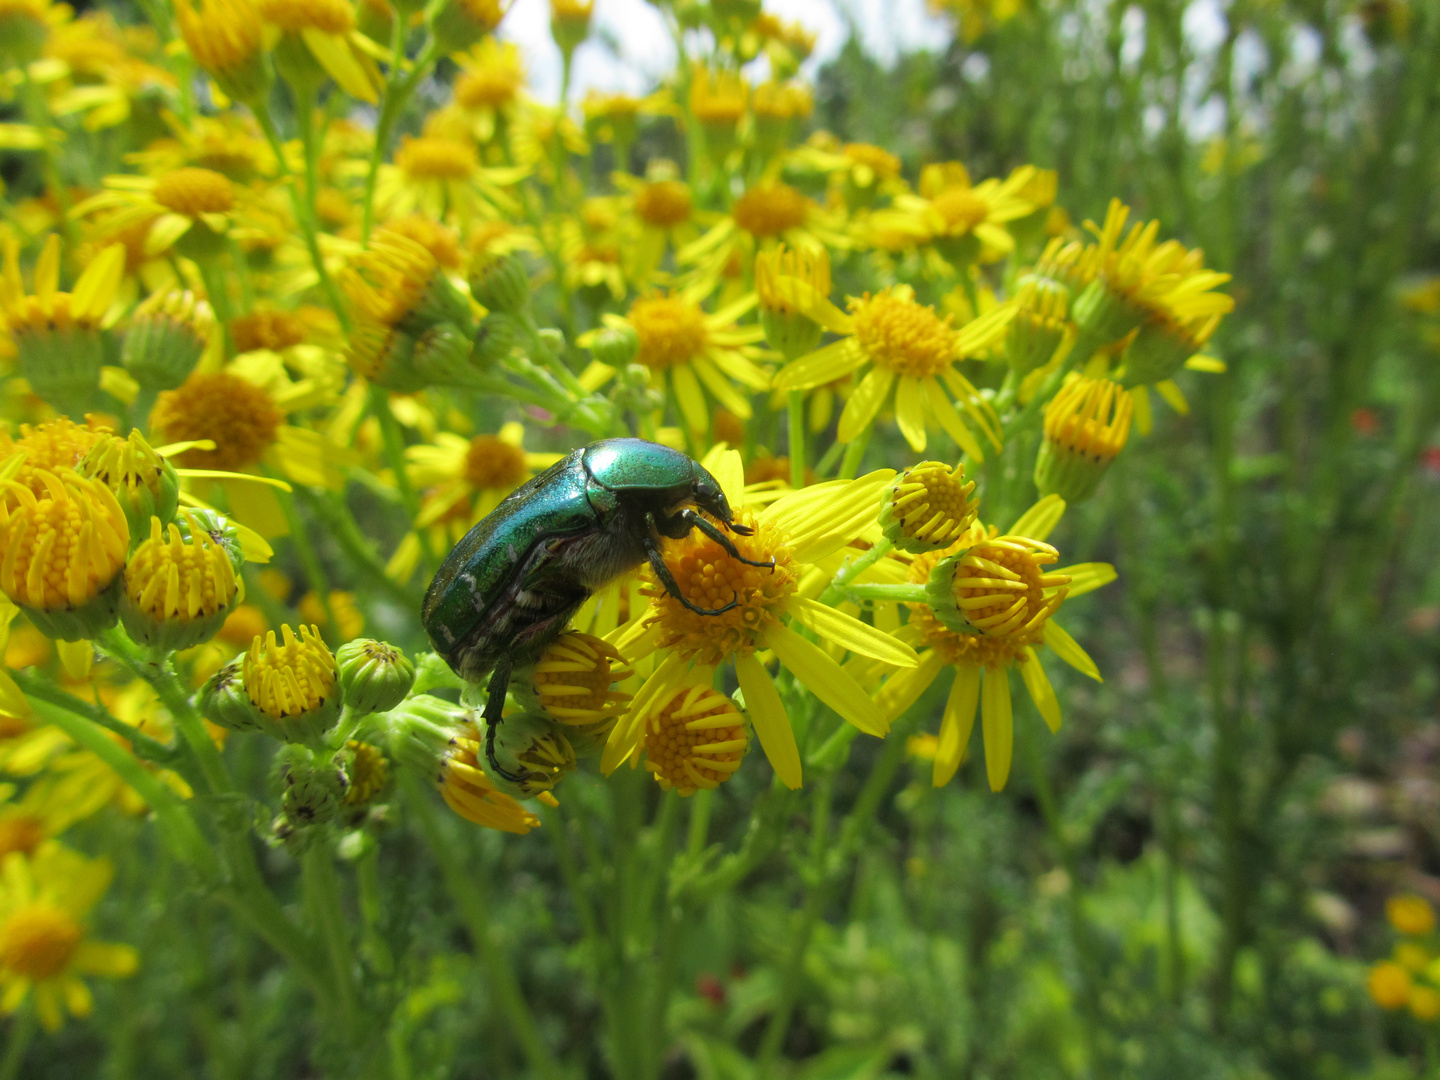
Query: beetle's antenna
[494,716]
[698,522]
[657,563]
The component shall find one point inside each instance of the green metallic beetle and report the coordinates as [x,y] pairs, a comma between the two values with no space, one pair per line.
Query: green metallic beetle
[512,583]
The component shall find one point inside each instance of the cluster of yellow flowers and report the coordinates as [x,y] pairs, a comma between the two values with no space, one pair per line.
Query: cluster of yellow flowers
[263,321]
[1411,978]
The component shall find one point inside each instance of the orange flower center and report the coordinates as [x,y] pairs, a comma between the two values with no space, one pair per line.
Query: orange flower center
[265,329]
[710,577]
[671,331]
[327,16]
[192,192]
[237,416]
[881,162]
[574,677]
[21,832]
[429,158]
[492,463]
[488,87]
[38,941]
[900,334]
[770,209]
[958,649]
[960,210]
[695,740]
[663,204]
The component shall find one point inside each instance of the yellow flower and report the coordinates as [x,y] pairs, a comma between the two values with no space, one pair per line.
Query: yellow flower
[796,532]
[57,334]
[928,507]
[1410,914]
[977,17]
[765,214]
[442,178]
[780,275]
[179,591]
[226,40]
[685,348]
[1389,985]
[471,794]
[44,946]
[910,350]
[1009,603]
[1424,1003]
[463,480]
[58,445]
[326,30]
[488,85]
[1086,425]
[964,222]
[61,553]
[189,209]
[294,683]
[694,740]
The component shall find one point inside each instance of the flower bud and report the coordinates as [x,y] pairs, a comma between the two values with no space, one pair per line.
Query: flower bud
[694,740]
[996,588]
[1162,346]
[294,683]
[1040,324]
[783,280]
[440,743]
[166,339]
[495,340]
[500,283]
[615,346]
[224,702]
[374,676]
[178,592]
[368,771]
[384,355]
[442,355]
[63,553]
[458,24]
[1085,428]
[143,483]
[928,507]
[311,790]
[572,685]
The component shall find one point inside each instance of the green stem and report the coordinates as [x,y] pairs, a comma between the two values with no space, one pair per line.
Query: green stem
[367,889]
[394,443]
[22,1033]
[143,745]
[905,594]
[322,887]
[177,825]
[392,104]
[467,893]
[796,425]
[310,563]
[701,804]
[340,523]
[854,452]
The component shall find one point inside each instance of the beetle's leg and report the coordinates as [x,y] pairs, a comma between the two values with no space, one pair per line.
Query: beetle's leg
[657,563]
[494,714]
[703,524]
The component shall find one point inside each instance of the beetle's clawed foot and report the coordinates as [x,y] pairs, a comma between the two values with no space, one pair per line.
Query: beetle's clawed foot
[740,530]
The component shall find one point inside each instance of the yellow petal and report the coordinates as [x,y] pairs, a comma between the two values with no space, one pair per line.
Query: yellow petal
[903,689]
[76,658]
[957,724]
[335,56]
[826,679]
[1069,650]
[824,365]
[772,725]
[950,420]
[910,412]
[804,297]
[1144,421]
[166,229]
[1041,692]
[728,469]
[689,398]
[835,627]
[1174,396]
[47,272]
[865,403]
[721,389]
[1212,364]
[625,736]
[1040,520]
[998,723]
[1087,577]
[95,291]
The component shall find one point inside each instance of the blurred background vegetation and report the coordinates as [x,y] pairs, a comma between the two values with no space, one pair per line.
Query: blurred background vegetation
[1231,807]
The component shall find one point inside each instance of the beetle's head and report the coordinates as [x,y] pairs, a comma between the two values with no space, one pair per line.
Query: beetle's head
[710,498]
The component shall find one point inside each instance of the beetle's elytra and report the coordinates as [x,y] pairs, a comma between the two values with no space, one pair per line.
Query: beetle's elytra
[509,587]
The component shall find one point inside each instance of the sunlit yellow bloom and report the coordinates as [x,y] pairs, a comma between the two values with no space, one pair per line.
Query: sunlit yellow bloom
[443,179]
[189,209]
[485,468]
[326,30]
[910,350]
[242,409]
[178,590]
[225,37]
[471,794]
[928,507]
[694,740]
[1086,425]
[765,214]
[1410,914]
[1009,602]
[1041,323]
[57,334]
[780,276]
[964,222]
[489,85]
[57,445]
[663,207]
[1389,985]
[685,347]
[61,553]
[294,683]
[44,946]
[795,531]
[570,23]
[717,101]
